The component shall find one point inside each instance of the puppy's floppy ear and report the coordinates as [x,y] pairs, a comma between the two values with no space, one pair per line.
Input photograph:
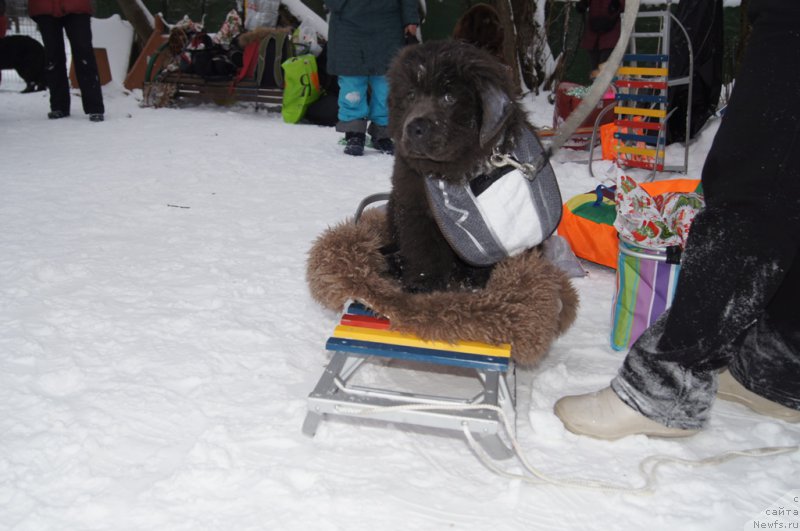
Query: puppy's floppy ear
[497,108]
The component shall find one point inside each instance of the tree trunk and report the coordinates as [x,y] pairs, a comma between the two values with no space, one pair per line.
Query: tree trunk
[571,32]
[139,19]
[504,10]
[524,41]
[529,43]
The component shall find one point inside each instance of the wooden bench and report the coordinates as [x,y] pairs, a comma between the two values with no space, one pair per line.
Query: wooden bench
[195,89]
[362,335]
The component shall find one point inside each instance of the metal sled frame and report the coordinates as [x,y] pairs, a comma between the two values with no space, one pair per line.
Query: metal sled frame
[352,345]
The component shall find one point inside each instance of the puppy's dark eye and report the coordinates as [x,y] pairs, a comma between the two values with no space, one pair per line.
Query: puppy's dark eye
[411,95]
[448,98]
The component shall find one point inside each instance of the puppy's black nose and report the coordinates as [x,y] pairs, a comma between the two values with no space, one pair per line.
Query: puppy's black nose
[418,128]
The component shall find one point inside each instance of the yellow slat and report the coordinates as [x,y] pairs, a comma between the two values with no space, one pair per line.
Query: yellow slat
[656,113]
[642,71]
[647,152]
[408,340]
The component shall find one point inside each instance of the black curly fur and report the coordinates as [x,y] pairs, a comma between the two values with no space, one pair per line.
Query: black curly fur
[26,55]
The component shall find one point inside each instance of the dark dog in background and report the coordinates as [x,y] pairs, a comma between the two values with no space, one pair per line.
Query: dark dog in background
[450,105]
[25,55]
[480,26]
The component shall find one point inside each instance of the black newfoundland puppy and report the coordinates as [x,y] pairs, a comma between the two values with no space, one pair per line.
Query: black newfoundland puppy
[450,105]
[25,55]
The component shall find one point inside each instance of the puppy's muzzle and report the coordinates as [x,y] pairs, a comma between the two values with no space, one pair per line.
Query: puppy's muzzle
[422,137]
[418,133]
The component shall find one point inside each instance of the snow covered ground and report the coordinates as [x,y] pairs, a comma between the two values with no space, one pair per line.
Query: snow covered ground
[157,344]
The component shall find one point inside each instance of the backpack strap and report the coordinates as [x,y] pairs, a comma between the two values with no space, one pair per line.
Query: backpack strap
[249,62]
[283,50]
[262,57]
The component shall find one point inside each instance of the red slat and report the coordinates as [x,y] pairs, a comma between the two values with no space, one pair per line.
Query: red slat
[640,164]
[625,83]
[652,126]
[365,321]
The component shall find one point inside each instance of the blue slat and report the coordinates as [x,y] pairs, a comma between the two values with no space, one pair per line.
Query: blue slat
[640,97]
[440,357]
[356,308]
[645,58]
[649,139]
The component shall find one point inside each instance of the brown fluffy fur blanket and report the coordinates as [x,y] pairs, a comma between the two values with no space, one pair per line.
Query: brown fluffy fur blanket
[527,302]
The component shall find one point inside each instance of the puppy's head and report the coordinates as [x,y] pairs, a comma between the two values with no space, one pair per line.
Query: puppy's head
[448,104]
[481,26]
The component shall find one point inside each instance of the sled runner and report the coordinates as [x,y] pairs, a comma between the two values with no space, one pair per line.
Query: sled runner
[363,335]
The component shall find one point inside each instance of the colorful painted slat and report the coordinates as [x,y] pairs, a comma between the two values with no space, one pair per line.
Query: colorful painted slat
[365,321]
[630,83]
[634,111]
[633,124]
[362,331]
[647,139]
[400,339]
[645,57]
[642,71]
[646,98]
[359,309]
[409,353]
[645,165]
[647,152]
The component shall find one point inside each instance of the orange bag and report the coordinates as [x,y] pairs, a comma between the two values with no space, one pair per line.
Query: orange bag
[608,142]
[587,220]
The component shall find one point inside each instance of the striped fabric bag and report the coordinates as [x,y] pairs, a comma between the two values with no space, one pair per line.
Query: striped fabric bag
[646,281]
[652,233]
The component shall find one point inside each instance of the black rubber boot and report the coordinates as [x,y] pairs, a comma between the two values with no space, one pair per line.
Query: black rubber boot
[355,144]
[384,145]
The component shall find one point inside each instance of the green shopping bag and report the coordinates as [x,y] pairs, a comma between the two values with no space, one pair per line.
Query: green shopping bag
[301,86]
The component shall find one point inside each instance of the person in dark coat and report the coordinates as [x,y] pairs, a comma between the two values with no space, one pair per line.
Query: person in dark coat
[735,305]
[602,28]
[362,39]
[54,17]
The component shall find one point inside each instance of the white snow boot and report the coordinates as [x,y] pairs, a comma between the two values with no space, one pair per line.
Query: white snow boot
[603,415]
[730,389]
